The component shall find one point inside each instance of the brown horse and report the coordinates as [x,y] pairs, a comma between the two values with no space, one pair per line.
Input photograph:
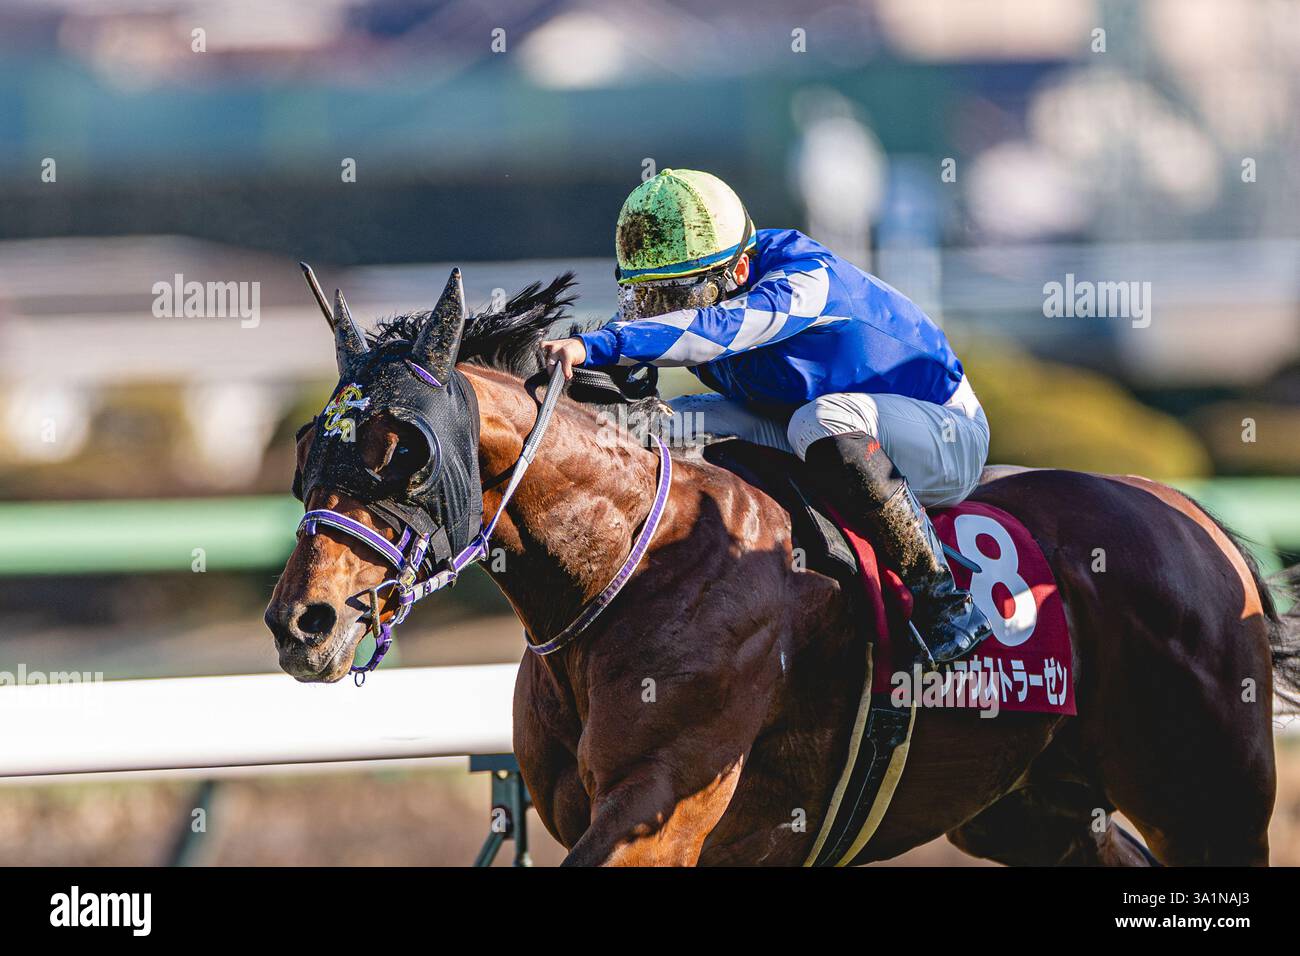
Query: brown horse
[709,707]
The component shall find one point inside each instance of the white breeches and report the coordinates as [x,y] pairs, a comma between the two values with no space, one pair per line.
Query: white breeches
[940,449]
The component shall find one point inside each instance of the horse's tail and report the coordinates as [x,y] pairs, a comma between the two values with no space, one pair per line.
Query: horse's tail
[1284,638]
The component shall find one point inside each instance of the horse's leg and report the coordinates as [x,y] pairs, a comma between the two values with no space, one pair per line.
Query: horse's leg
[628,788]
[661,771]
[1221,817]
[1179,731]
[546,731]
[1048,826]
[644,821]
[557,794]
[1198,779]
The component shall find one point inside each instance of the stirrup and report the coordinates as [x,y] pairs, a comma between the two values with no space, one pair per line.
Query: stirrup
[978,630]
[923,655]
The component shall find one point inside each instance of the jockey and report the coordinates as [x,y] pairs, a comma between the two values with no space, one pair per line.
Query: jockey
[809,354]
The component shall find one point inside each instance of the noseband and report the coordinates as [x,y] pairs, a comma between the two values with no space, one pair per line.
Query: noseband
[408,555]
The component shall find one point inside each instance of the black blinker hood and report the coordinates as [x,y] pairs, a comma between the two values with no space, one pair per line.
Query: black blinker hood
[444,499]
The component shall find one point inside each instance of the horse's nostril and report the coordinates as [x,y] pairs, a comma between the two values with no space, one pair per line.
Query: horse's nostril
[316,620]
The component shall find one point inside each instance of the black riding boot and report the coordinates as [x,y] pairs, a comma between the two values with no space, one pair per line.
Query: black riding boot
[858,478]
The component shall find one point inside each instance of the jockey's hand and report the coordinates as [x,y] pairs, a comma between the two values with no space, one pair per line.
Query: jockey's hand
[567,352]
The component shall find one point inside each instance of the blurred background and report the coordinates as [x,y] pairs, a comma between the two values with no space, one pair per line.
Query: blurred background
[970,154]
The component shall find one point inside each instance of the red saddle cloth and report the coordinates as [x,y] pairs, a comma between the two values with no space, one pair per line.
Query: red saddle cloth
[1026,664]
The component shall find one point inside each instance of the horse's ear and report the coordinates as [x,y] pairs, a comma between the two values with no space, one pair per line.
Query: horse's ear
[439,340]
[349,343]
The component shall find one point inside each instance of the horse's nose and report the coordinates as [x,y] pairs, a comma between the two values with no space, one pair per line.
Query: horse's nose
[293,623]
[316,621]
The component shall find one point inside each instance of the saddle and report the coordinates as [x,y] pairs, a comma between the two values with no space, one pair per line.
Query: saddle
[783,477]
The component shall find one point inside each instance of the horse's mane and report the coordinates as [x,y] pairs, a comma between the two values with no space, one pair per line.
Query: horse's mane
[508,339]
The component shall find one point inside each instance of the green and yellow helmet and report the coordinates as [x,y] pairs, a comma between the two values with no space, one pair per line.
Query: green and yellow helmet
[677,224]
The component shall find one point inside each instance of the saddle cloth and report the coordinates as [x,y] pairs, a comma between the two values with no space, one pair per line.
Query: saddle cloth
[1025,666]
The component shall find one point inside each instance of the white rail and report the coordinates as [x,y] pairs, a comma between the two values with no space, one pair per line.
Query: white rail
[231,726]
[247,721]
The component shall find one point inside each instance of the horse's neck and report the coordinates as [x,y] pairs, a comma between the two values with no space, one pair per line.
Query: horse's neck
[571,522]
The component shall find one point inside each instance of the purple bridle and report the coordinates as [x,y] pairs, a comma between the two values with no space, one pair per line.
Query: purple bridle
[407,554]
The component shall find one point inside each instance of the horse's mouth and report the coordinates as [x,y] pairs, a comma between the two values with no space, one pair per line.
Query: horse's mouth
[327,664]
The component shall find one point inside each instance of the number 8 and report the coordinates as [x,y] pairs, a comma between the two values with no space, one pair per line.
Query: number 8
[1004,569]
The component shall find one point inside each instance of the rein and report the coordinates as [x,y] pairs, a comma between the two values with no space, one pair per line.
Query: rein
[407,555]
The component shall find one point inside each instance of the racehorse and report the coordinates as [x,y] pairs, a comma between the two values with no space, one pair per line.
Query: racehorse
[709,704]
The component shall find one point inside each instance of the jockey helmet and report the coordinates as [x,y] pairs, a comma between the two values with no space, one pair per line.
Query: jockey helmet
[679,223]
[679,235]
